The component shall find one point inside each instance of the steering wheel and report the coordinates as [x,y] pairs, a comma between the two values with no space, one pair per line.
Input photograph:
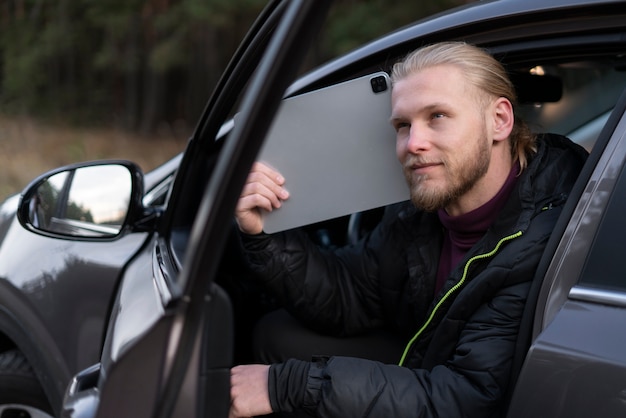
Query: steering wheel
[361,223]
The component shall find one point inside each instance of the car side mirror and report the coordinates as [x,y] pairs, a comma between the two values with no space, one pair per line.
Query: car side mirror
[90,201]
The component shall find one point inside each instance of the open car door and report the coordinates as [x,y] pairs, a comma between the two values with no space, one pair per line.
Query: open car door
[169,344]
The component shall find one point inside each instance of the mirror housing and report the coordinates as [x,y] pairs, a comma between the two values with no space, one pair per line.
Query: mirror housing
[89,201]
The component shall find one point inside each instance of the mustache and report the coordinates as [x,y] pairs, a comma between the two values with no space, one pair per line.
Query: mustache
[416,161]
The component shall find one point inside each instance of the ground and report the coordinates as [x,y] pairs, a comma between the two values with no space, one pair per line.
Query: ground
[29,148]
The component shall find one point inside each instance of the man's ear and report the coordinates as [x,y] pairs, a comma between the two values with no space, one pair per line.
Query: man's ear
[503,119]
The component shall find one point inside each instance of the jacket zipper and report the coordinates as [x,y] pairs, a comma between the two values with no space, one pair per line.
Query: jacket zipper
[454,289]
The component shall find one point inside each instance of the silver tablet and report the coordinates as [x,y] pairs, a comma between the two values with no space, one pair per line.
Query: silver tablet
[336,149]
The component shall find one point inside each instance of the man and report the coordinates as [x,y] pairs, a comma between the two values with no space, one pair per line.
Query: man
[450,272]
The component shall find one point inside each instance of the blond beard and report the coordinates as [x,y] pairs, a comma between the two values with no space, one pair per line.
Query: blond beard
[460,178]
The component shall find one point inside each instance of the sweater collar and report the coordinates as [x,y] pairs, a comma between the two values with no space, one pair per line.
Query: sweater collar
[466,229]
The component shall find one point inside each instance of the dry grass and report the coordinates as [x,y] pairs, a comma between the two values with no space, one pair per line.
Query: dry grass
[29,148]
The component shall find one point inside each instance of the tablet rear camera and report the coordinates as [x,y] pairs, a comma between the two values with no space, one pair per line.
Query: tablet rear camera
[379,84]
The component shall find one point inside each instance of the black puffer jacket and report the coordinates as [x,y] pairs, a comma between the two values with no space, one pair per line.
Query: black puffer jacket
[458,359]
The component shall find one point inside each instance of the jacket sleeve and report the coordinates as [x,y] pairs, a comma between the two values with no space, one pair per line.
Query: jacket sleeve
[336,292]
[471,384]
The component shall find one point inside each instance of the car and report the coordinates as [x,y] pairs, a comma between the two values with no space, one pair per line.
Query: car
[142,313]
[54,301]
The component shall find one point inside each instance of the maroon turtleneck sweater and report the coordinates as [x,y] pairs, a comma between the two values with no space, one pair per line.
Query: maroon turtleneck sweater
[463,231]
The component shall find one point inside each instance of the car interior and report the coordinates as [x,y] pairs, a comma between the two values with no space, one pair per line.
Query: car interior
[572,96]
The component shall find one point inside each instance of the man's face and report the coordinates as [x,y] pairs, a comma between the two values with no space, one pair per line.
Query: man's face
[441,136]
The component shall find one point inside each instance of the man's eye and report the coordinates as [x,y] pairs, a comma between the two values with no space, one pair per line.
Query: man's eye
[400,125]
[437,115]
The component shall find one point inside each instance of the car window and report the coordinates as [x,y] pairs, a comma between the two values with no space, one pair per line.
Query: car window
[213,139]
[157,196]
[590,89]
[604,267]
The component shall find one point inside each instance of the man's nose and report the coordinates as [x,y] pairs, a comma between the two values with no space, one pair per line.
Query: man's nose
[418,140]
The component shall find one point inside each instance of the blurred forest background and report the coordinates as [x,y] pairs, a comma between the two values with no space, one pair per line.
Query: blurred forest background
[93,79]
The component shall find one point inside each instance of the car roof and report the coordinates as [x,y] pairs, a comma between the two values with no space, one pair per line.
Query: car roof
[484,22]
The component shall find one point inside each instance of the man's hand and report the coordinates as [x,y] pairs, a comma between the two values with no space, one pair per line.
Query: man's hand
[263,190]
[249,395]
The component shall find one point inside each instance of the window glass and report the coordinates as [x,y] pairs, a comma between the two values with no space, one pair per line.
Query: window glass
[605,265]
[590,90]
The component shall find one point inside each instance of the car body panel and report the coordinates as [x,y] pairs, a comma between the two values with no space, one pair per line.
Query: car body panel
[575,368]
[56,294]
[60,300]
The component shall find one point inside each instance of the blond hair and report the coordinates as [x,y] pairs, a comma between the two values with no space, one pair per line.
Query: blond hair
[482,71]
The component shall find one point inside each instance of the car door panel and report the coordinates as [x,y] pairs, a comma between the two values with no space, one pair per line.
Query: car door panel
[576,367]
[171,328]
